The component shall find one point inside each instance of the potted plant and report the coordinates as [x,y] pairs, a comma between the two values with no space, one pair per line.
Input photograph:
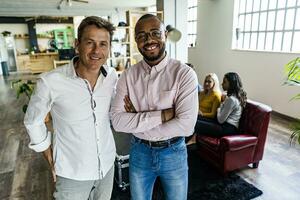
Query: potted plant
[23,88]
[292,70]
[26,88]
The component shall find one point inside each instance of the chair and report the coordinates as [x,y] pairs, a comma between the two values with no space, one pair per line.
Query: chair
[229,153]
[57,63]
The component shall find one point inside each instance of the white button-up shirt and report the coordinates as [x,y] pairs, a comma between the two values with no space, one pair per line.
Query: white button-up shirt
[83,143]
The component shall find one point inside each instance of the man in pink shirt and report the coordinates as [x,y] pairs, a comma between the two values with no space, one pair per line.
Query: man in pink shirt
[157,101]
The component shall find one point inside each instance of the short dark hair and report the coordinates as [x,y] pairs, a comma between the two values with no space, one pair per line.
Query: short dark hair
[98,22]
[147,16]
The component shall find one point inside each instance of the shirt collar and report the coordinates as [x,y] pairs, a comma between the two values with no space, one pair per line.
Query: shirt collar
[71,69]
[162,64]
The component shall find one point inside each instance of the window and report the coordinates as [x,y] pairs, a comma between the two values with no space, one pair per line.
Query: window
[192,22]
[267,25]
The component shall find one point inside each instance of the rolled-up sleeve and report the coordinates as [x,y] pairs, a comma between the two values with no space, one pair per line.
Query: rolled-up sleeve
[38,108]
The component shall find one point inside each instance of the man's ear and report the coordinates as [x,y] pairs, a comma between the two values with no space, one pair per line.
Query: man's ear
[166,34]
[76,46]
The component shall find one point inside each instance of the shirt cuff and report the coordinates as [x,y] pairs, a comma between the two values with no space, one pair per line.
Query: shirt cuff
[42,146]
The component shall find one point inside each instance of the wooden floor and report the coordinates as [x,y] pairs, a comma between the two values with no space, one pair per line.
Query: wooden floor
[24,174]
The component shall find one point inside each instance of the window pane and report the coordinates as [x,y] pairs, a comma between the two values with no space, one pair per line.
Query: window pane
[280,20]
[297,25]
[246,40]
[241,22]
[242,6]
[195,13]
[271,20]
[194,28]
[195,2]
[272,4]
[287,41]
[249,6]
[253,41]
[264,4]
[256,5]
[190,3]
[261,41]
[291,3]
[189,28]
[248,22]
[269,41]
[296,42]
[262,21]
[277,41]
[281,3]
[240,41]
[254,22]
[289,20]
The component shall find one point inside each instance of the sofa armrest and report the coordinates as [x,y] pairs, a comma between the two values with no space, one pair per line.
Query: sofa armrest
[237,142]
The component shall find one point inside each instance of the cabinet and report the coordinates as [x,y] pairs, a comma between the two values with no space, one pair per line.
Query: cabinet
[124,51]
[64,38]
[120,49]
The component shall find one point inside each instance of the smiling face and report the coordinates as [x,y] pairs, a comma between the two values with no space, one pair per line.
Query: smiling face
[150,37]
[93,47]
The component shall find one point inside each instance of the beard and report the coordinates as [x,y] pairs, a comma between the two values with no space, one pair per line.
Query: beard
[154,57]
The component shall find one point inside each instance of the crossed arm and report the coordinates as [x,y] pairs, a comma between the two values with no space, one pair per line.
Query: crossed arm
[178,120]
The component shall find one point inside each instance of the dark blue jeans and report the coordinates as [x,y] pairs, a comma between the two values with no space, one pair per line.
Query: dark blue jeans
[211,127]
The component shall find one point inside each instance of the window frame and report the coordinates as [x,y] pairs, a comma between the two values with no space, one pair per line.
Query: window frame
[287,35]
[192,36]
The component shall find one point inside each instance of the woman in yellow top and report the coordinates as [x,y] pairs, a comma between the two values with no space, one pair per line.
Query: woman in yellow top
[209,101]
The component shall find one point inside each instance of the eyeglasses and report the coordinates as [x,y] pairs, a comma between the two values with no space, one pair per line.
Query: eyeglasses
[143,36]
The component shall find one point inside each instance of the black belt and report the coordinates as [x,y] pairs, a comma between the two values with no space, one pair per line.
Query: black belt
[162,143]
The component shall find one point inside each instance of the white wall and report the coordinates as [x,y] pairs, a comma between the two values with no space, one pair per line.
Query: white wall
[261,72]
[175,14]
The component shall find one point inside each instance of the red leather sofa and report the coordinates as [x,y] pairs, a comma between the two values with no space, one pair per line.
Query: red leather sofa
[233,152]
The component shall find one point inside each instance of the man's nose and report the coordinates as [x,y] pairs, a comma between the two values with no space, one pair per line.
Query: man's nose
[96,48]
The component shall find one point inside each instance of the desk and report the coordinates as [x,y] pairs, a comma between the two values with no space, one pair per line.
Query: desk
[36,63]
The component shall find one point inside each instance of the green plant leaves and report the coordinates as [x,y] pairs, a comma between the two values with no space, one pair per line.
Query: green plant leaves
[295,128]
[22,87]
[292,70]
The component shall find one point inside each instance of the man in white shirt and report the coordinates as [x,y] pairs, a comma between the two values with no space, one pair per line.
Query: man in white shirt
[78,96]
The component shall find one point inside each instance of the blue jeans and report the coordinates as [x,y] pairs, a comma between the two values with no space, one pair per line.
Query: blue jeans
[169,163]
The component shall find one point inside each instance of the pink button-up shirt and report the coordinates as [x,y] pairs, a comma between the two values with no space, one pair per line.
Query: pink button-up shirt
[151,90]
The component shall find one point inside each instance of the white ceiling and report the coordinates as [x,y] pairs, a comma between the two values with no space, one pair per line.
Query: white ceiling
[49,7]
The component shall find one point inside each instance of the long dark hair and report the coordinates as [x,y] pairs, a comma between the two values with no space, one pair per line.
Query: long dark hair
[236,87]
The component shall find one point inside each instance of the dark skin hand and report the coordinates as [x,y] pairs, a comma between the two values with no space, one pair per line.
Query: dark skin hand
[166,115]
